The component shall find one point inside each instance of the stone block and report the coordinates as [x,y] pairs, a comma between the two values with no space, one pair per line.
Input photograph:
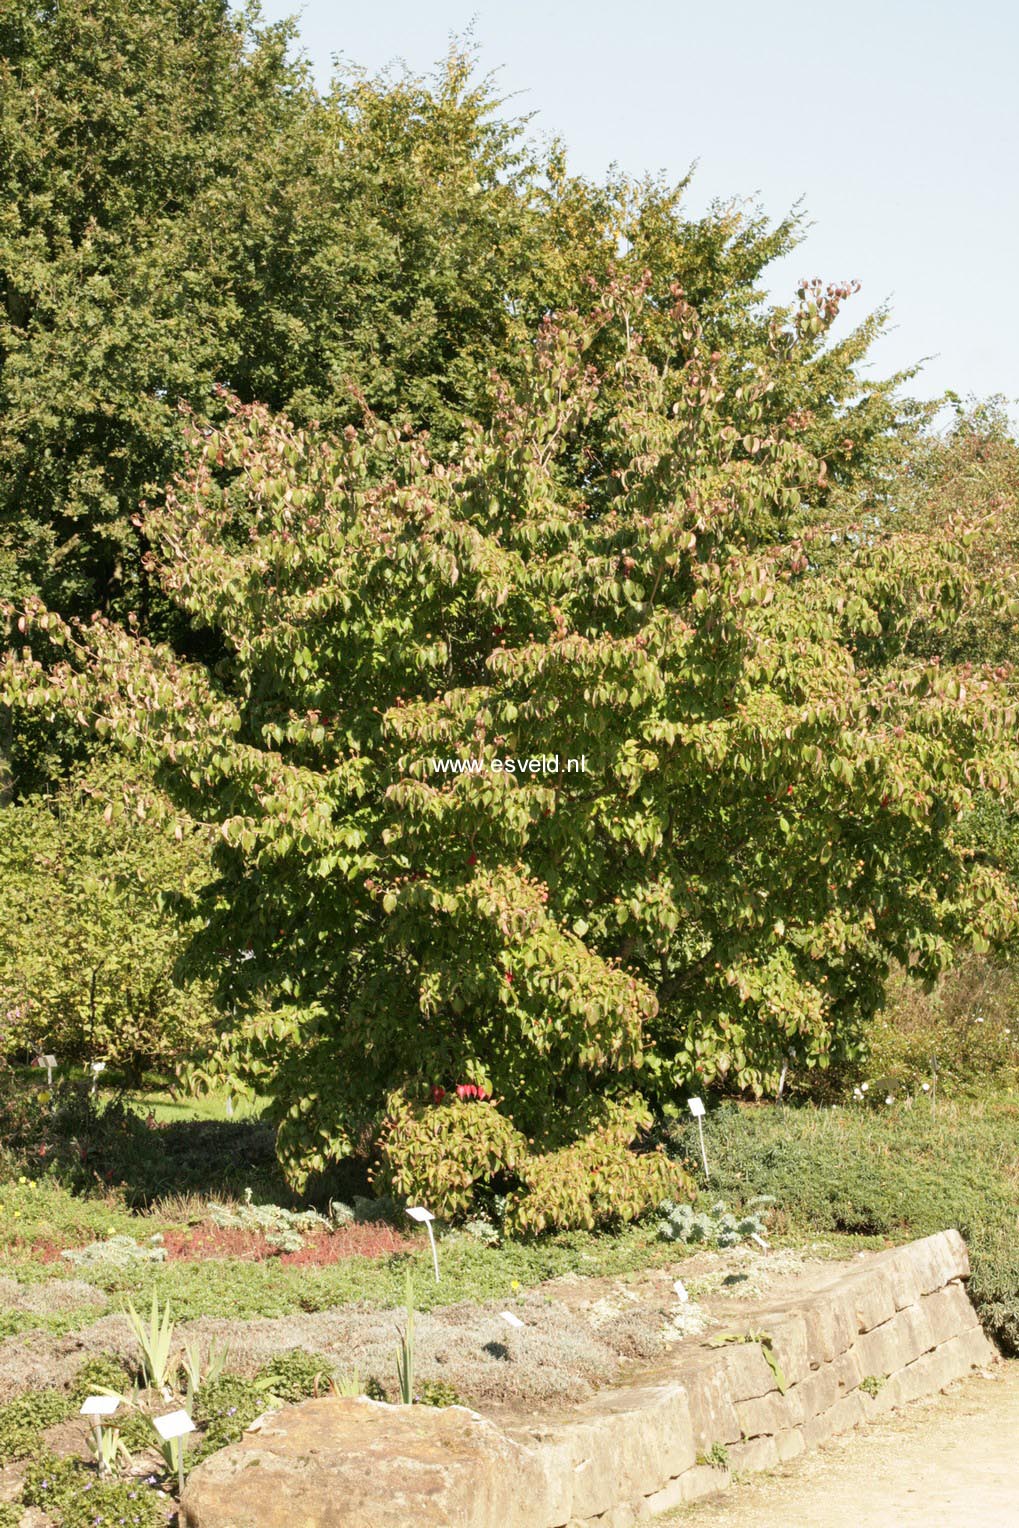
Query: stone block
[789,1344]
[342,1463]
[621,1443]
[874,1298]
[948,1312]
[901,1273]
[847,1411]
[818,1392]
[693,1485]
[765,1415]
[748,1370]
[830,1325]
[847,1370]
[789,1444]
[895,1344]
[951,1361]
[770,1414]
[937,1260]
[712,1413]
[755,1454]
[623,1516]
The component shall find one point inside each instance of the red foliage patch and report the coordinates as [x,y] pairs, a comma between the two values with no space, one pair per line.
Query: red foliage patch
[327,1247]
[42,1251]
[205,1242]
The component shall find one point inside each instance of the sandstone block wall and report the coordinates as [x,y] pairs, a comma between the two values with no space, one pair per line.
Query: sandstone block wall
[862,1340]
[865,1340]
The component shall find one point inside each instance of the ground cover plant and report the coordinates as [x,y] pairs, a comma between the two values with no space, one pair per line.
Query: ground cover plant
[897,1169]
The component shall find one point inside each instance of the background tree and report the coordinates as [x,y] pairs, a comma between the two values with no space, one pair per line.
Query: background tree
[88,954]
[182,209]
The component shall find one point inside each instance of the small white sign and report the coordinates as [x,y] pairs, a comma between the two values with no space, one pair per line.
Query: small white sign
[176,1424]
[97,1067]
[681,1292]
[764,1246]
[510,1319]
[100,1406]
[418,1212]
[696,1107]
[49,1061]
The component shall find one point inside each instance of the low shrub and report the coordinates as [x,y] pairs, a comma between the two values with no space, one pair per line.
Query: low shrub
[715,1227]
[440,1153]
[223,1409]
[282,1228]
[597,1180]
[71,1495]
[435,1392]
[293,1376]
[98,1374]
[902,1172]
[24,1420]
[118,1251]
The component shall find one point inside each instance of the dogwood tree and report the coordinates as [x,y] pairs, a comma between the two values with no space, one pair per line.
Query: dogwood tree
[413,890]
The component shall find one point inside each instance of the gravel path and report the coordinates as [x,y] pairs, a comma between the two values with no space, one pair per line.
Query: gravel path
[948,1462]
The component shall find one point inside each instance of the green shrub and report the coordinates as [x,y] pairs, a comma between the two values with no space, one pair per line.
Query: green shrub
[90,952]
[898,1173]
[435,1392]
[23,1421]
[439,1153]
[293,1376]
[97,1374]
[224,1409]
[597,1180]
[13,1322]
[10,1515]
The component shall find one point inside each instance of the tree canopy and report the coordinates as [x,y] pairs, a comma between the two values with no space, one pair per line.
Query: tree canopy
[774,793]
[182,210]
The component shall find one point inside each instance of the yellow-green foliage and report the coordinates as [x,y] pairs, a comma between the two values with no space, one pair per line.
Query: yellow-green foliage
[88,960]
[968,1024]
[439,1153]
[595,1180]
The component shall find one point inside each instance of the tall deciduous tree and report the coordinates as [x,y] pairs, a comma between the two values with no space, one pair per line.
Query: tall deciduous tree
[769,804]
[179,208]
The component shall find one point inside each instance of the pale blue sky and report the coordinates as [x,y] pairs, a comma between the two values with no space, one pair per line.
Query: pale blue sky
[896,122]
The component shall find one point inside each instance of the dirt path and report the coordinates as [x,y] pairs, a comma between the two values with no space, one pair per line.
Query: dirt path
[948,1462]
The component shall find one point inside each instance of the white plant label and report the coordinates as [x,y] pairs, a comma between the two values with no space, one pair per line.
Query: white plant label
[681,1292]
[49,1061]
[510,1319]
[176,1424]
[100,1406]
[764,1246]
[419,1213]
[696,1107]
